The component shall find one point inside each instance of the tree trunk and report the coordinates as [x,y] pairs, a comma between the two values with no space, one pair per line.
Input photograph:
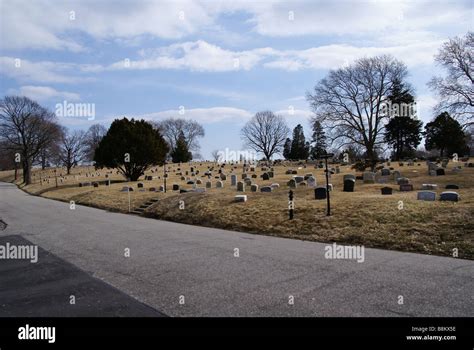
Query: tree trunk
[27,172]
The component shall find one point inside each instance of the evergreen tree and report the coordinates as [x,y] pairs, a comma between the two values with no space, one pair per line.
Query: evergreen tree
[318,139]
[445,134]
[287,149]
[403,131]
[298,144]
[403,134]
[181,153]
[131,146]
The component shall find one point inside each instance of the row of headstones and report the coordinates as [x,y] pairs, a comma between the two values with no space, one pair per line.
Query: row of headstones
[94,184]
[428,195]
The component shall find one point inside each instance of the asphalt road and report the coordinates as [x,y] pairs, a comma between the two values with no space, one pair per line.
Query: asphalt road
[184,270]
[53,287]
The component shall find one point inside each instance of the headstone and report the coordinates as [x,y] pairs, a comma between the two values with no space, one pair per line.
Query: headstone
[254,176]
[126,189]
[275,185]
[265,176]
[449,196]
[223,177]
[452,187]
[320,193]
[406,187]
[208,184]
[95,184]
[291,183]
[298,179]
[240,186]
[386,190]
[240,198]
[439,172]
[266,189]
[396,175]
[349,176]
[233,180]
[369,177]
[190,182]
[198,182]
[338,170]
[303,183]
[349,185]
[432,172]
[175,187]
[403,181]
[426,196]
[271,174]
[148,178]
[307,176]
[140,184]
[152,189]
[161,188]
[429,187]
[254,188]
[385,172]
[219,184]
[311,181]
[244,176]
[248,181]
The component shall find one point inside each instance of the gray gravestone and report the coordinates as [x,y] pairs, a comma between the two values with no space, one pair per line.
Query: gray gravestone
[426,196]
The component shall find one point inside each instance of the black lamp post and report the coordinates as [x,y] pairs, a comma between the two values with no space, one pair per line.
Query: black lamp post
[325,157]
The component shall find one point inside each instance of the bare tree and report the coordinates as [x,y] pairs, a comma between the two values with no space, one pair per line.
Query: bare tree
[92,139]
[72,149]
[265,133]
[456,90]
[172,127]
[216,155]
[27,128]
[349,102]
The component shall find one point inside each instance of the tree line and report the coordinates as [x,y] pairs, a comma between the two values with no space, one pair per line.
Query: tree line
[357,110]
[369,106]
[30,135]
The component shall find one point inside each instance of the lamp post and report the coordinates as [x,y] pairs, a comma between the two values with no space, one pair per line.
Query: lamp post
[325,157]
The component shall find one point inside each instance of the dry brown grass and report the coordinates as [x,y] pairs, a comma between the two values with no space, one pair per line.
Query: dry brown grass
[362,217]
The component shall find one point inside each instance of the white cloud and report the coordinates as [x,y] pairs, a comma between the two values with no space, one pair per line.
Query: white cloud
[202,115]
[44,93]
[44,71]
[194,56]
[205,57]
[47,24]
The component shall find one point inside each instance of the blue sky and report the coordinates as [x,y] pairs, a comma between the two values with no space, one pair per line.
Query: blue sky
[219,62]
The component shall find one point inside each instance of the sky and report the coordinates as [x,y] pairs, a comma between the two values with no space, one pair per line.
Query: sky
[216,62]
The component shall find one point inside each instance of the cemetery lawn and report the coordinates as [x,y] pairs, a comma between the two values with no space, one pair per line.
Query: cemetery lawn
[363,217]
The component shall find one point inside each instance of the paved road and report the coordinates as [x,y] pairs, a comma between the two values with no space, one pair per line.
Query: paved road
[169,261]
[53,287]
